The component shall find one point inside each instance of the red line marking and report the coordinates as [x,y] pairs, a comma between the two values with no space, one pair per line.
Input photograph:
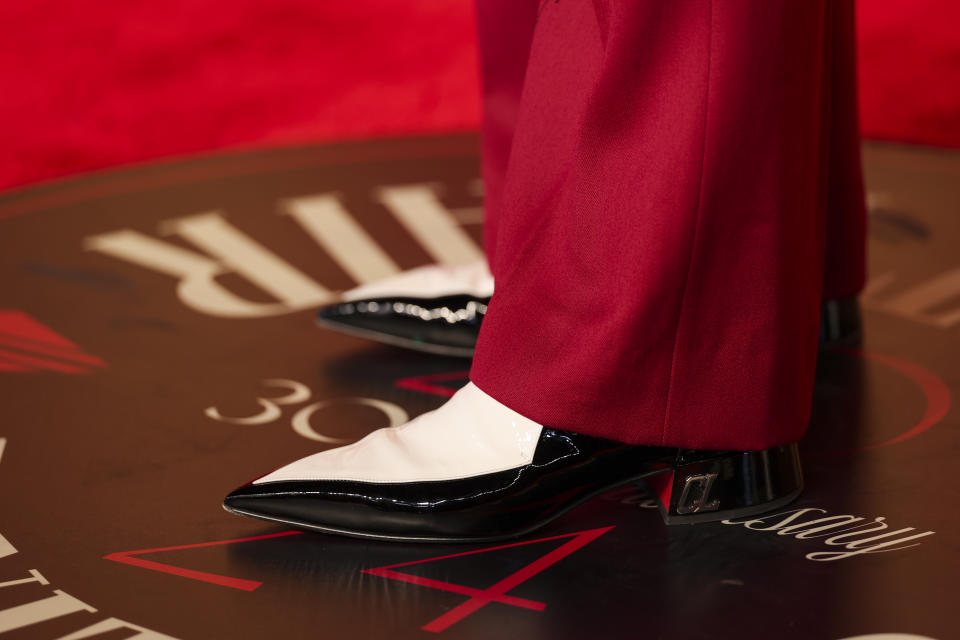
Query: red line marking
[22,325]
[64,353]
[127,557]
[497,592]
[7,365]
[224,581]
[424,383]
[455,588]
[41,363]
[26,341]
[936,392]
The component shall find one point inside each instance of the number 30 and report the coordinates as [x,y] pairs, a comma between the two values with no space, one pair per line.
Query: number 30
[300,393]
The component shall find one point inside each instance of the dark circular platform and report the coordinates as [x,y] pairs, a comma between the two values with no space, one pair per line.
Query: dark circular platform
[157,349]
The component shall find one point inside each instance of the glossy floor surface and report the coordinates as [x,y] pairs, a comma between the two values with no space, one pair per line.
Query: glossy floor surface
[157,349]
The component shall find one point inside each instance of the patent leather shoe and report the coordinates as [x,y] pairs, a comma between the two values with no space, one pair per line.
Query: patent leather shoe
[436,308]
[474,471]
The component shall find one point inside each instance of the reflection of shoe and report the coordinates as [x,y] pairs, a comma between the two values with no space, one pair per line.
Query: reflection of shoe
[436,308]
[439,309]
[475,470]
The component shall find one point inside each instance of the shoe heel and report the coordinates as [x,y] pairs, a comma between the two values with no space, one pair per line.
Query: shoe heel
[727,486]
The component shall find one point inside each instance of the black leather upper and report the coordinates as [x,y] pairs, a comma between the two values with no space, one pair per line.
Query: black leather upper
[566,469]
[446,321]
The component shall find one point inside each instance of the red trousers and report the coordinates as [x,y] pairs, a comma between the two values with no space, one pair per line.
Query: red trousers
[673,187]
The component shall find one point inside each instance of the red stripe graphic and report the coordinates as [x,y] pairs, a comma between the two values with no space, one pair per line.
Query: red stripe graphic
[478,598]
[497,592]
[72,353]
[129,557]
[10,365]
[456,588]
[31,363]
[26,345]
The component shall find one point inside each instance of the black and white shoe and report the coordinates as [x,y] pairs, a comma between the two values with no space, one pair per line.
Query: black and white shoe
[439,309]
[474,470]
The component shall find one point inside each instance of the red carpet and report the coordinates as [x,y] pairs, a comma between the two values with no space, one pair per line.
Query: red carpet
[92,85]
